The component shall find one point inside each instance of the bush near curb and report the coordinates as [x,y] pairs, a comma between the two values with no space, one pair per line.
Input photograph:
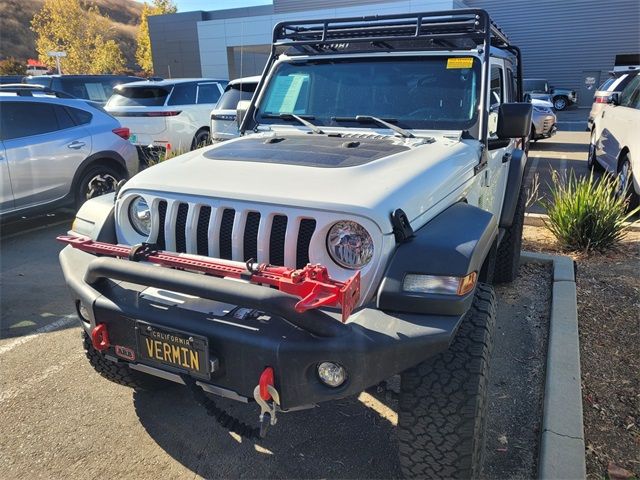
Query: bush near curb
[584,213]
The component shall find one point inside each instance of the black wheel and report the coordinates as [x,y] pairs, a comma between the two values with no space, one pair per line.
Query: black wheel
[443,401]
[625,183]
[533,136]
[560,103]
[202,139]
[508,256]
[592,161]
[120,373]
[97,180]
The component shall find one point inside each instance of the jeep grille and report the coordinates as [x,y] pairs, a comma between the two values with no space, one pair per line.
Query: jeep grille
[205,230]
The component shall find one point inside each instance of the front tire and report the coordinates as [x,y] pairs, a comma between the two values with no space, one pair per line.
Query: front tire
[625,183]
[120,373]
[443,401]
[560,103]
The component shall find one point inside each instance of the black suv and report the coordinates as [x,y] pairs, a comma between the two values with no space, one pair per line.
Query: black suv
[97,88]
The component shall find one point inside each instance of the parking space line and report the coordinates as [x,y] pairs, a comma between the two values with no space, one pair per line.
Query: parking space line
[61,322]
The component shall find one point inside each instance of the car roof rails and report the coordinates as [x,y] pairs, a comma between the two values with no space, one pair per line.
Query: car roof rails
[27,90]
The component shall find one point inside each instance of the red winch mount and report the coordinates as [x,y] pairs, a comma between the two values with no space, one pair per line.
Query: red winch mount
[312,284]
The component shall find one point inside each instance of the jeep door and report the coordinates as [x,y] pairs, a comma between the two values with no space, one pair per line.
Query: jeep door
[43,147]
[495,175]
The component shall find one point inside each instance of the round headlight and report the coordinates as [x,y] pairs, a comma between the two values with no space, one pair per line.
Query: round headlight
[349,244]
[140,216]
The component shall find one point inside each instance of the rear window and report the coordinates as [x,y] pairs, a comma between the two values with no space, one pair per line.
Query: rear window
[138,97]
[234,93]
[91,88]
[41,80]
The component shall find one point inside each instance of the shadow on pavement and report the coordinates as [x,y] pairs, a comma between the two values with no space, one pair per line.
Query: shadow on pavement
[340,439]
[547,145]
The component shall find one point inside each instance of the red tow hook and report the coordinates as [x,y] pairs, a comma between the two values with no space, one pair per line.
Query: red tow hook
[266,379]
[100,337]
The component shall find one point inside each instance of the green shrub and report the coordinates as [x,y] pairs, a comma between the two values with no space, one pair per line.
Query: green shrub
[584,213]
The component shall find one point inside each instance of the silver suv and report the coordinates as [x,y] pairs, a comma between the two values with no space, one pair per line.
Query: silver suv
[58,152]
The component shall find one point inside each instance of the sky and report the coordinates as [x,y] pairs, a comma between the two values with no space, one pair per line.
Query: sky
[191,5]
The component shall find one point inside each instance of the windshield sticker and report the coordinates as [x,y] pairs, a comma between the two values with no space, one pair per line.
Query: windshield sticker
[459,62]
[285,93]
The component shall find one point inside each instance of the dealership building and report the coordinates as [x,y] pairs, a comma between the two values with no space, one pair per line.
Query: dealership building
[572,43]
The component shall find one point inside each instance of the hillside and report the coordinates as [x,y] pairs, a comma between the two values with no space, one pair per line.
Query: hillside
[17,40]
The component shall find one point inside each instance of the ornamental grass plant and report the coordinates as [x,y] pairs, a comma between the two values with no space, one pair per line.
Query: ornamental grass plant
[585,213]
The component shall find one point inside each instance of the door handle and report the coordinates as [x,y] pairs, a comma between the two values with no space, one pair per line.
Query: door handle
[76,145]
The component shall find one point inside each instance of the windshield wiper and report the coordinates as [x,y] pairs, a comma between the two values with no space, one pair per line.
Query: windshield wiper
[379,121]
[293,116]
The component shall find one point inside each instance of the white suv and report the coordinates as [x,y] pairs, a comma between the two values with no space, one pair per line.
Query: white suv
[168,114]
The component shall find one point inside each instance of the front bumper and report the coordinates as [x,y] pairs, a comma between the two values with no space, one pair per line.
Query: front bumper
[372,346]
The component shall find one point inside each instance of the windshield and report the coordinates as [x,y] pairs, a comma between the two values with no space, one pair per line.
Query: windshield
[435,92]
[234,93]
[536,86]
[138,97]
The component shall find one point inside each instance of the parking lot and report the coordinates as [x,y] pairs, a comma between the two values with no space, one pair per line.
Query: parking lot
[61,419]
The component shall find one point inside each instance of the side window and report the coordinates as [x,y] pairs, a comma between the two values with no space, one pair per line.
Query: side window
[496,97]
[25,119]
[64,119]
[80,117]
[637,102]
[183,94]
[208,93]
[626,97]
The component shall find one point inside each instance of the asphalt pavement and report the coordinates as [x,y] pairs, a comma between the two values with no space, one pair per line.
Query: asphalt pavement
[60,419]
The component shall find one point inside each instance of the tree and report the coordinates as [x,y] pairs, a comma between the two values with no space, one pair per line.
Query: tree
[84,34]
[11,66]
[143,50]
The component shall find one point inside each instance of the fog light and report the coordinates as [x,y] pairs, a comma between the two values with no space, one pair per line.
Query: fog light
[332,374]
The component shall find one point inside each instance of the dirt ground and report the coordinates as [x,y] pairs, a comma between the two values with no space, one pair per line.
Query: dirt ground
[609,322]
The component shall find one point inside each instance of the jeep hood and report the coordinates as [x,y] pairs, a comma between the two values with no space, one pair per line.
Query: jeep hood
[370,176]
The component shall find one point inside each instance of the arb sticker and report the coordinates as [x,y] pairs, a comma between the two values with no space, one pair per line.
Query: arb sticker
[460,62]
[125,352]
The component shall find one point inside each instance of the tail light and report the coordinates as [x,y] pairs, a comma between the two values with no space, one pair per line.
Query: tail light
[170,113]
[123,132]
[601,100]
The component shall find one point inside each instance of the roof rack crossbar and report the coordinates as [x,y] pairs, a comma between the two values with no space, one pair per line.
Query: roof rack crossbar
[469,22]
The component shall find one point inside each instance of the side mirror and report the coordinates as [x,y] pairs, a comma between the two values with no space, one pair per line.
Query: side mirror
[614,99]
[514,120]
[241,111]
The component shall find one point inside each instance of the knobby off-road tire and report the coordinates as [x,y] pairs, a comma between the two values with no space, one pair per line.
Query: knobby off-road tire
[508,256]
[443,401]
[118,372]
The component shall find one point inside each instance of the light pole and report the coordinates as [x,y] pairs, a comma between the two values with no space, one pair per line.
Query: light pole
[57,56]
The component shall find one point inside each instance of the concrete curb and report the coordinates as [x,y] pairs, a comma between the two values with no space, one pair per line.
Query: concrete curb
[537,220]
[562,439]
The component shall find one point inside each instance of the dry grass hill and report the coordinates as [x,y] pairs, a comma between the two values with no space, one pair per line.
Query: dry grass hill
[17,40]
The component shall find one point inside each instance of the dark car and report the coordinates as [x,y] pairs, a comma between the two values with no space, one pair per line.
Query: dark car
[97,88]
[4,79]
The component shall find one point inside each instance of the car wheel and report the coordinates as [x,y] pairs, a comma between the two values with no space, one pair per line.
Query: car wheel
[442,406]
[560,103]
[625,183]
[592,161]
[97,180]
[202,139]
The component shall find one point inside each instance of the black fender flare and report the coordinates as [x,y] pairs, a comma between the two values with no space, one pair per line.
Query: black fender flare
[515,180]
[454,243]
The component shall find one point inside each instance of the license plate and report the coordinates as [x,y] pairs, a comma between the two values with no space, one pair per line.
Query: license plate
[177,350]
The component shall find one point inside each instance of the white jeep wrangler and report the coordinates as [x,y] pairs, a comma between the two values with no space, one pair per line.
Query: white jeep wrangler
[377,189]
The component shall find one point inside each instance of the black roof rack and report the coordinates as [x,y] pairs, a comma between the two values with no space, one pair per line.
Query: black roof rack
[474,24]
